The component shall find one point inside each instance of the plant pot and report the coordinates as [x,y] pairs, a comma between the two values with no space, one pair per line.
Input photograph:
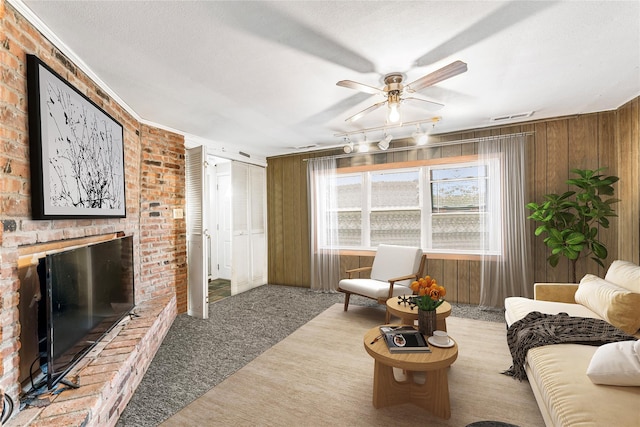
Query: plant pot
[426,322]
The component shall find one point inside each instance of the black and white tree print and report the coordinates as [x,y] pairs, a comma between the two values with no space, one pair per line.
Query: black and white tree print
[85,157]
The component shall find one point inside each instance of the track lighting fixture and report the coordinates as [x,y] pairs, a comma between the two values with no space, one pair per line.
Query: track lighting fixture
[384,142]
[348,145]
[420,138]
[363,147]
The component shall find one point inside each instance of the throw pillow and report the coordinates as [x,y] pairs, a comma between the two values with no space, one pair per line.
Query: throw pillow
[625,274]
[616,363]
[613,303]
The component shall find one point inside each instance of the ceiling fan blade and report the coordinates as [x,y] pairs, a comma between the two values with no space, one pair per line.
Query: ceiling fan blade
[365,111]
[446,72]
[427,104]
[360,86]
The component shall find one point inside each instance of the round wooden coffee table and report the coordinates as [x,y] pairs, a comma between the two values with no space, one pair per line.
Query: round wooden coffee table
[432,395]
[408,316]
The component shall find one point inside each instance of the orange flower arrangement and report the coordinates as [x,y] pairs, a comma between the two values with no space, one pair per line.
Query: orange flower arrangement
[429,294]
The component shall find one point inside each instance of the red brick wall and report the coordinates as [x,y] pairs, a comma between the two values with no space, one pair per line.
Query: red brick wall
[163,245]
[154,162]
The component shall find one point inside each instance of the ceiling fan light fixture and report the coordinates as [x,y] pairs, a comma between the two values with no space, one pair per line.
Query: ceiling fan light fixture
[393,103]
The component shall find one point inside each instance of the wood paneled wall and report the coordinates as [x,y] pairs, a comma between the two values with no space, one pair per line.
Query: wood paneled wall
[628,135]
[608,139]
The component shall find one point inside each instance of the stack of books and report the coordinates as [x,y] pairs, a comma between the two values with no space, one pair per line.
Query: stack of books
[404,339]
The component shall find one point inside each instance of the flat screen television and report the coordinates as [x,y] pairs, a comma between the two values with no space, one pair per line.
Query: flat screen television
[88,289]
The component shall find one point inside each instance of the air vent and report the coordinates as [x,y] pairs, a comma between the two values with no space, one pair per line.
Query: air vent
[512,116]
[304,147]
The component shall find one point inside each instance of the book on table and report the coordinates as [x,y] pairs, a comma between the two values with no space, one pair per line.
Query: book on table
[404,339]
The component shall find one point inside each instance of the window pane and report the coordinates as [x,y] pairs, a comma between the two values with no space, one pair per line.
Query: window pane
[395,189]
[349,191]
[458,232]
[458,189]
[473,171]
[350,228]
[395,227]
[460,195]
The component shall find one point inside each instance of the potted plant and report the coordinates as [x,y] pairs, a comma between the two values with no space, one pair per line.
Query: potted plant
[570,221]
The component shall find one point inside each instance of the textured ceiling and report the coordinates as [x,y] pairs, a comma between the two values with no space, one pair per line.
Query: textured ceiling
[261,76]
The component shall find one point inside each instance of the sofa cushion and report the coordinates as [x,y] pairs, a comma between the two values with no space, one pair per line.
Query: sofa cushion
[517,308]
[613,303]
[616,363]
[558,374]
[624,274]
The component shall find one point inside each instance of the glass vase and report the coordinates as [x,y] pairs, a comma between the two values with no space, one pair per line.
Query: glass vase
[426,322]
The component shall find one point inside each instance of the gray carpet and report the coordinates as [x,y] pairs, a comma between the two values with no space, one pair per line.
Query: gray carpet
[196,355]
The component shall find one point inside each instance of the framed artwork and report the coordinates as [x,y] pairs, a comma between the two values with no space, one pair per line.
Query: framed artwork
[77,151]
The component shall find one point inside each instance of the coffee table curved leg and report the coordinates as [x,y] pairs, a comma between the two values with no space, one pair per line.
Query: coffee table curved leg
[433,395]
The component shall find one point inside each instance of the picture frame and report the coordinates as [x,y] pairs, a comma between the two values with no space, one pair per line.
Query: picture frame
[76,151]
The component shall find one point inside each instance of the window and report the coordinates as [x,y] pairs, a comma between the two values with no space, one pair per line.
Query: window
[458,208]
[350,191]
[394,211]
[440,207]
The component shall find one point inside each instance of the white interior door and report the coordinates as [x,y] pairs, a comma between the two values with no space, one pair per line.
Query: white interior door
[248,227]
[197,234]
[258,225]
[223,241]
[211,242]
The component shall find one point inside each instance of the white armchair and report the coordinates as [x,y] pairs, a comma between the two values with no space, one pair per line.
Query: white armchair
[393,270]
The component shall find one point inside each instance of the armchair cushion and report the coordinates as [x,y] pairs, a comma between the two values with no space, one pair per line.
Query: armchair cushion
[395,261]
[372,288]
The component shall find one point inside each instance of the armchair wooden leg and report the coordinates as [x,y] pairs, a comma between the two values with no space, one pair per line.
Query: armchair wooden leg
[346,300]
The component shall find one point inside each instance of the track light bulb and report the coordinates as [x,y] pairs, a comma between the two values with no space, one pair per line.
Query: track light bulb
[363,146]
[420,138]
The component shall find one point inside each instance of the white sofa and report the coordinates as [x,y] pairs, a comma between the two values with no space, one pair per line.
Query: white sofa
[580,385]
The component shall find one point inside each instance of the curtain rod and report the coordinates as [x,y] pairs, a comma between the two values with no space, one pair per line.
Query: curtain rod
[428,145]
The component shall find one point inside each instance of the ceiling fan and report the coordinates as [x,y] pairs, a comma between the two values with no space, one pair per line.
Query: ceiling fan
[394,90]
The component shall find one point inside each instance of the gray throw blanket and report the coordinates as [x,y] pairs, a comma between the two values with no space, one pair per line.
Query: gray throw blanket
[537,329]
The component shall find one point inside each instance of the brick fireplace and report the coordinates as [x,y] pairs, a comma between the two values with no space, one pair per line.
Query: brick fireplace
[154,179]
[108,375]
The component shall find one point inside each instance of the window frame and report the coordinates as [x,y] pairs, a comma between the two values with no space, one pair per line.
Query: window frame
[423,167]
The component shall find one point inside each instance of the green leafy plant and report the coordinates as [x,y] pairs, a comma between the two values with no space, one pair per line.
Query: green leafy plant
[570,220]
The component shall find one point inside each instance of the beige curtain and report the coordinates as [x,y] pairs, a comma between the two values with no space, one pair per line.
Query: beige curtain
[325,256]
[510,272]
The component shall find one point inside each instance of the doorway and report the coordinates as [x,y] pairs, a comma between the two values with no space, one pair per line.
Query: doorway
[226,226]
[219,238]
[219,289]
